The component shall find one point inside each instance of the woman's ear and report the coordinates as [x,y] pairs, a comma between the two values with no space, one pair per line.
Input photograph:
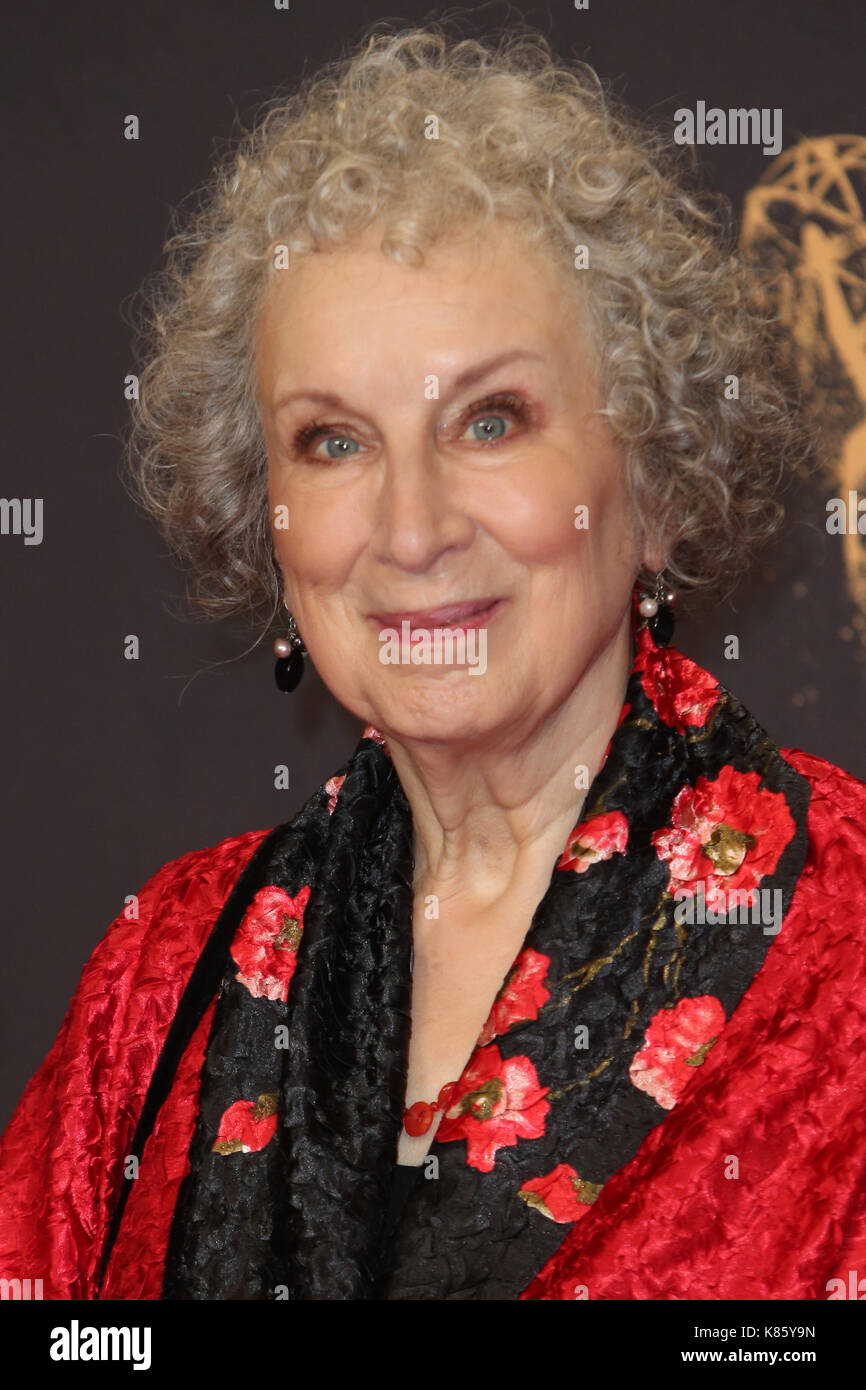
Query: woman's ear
[648,543]
[652,556]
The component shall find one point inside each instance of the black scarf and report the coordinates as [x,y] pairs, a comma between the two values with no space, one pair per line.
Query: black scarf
[299,1212]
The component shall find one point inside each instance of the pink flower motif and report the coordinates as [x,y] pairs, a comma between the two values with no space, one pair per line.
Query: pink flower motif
[676,1041]
[726,834]
[247,1126]
[266,943]
[521,996]
[332,787]
[495,1102]
[561,1195]
[681,693]
[371,732]
[600,837]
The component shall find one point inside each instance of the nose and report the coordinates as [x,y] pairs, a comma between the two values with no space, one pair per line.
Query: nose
[420,513]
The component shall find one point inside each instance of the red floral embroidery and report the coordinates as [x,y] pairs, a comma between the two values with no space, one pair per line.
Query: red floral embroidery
[266,943]
[726,835]
[332,787]
[496,1101]
[681,692]
[594,839]
[247,1125]
[676,1041]
[371,732]
[521,996]
[561,1195]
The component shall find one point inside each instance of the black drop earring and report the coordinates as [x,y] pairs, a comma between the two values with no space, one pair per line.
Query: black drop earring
[290,652]
[657,607]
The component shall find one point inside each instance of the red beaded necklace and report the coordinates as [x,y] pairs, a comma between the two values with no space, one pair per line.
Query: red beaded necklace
[418,1118]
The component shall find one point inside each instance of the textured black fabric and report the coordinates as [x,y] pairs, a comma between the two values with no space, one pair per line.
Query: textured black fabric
[404,1179]
[305,1217]
[201,987]
[343,1087]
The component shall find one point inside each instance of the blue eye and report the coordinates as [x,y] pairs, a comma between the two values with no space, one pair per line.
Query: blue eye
[318,432]
[492,428]
[497,421]
[486,422]
[341,439]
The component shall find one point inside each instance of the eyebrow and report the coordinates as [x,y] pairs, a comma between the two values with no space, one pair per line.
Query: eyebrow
[469,377]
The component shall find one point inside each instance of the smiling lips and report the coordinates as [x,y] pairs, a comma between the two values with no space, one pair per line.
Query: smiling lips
[473,613]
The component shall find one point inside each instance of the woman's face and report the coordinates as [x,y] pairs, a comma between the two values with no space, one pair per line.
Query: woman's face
[431,439]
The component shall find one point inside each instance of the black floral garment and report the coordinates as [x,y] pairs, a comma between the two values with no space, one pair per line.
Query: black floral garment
[610,1007]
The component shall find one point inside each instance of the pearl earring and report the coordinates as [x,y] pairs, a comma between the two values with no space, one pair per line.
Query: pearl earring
[657,607]
[290,652]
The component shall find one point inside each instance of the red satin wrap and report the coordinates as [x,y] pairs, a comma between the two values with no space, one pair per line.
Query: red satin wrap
[783,1092]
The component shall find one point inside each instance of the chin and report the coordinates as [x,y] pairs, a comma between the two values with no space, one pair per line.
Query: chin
[438,715]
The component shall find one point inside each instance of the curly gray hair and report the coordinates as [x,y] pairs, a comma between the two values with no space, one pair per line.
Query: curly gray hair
[520,136]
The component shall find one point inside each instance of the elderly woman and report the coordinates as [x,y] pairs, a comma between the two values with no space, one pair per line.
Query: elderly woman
[551,989]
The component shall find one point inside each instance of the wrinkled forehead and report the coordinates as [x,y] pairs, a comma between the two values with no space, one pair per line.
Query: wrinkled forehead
[357,302]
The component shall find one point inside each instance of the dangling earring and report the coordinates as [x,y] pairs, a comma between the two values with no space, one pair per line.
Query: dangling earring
[657,607]
[290,652]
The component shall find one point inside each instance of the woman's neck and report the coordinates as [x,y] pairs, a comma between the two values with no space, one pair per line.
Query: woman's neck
[488,815]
